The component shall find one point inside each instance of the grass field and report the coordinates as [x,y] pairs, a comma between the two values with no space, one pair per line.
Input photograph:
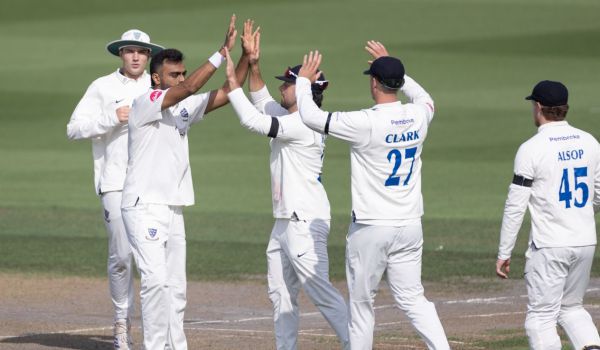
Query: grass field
[478,59]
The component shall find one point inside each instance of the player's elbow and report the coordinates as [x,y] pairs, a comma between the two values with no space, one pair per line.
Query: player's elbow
[72,133]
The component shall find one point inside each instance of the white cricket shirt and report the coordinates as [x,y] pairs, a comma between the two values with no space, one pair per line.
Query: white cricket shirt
[296,159]
[563,164]
[95,118]
[386,142]
[159,171]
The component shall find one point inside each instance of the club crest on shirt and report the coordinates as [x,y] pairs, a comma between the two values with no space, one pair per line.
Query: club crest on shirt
[155,94]
[106,215]
[181,121]
[152,234]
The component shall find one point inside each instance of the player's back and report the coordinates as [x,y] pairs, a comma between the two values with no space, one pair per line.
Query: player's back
[386,170]
[563,163]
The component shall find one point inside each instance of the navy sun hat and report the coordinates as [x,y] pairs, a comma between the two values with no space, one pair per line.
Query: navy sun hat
[389,71]
[549,93]
[291,74]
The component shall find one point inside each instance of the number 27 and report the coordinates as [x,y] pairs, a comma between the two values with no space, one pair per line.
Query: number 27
[394,180]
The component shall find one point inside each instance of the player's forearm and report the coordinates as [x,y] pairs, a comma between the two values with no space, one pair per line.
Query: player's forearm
[514,211]
[189,86]
[250,118]
[85,128]
[417,94]
[312,116]
[241,70]
[255,82]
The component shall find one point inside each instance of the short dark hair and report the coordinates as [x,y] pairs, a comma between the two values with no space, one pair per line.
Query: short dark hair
[317,94]
[556,113]
[171,55]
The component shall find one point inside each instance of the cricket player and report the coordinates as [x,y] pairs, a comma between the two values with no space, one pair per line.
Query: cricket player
[556,176]
[101,116]
[159,184]
[385,152]
[297,250]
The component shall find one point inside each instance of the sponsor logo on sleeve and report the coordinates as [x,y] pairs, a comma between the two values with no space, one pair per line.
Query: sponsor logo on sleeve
[155,95]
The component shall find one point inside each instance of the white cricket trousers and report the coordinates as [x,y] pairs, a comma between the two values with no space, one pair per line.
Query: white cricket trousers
[556,281]
[157,236]
[119,264]
[297,257]
[372,250]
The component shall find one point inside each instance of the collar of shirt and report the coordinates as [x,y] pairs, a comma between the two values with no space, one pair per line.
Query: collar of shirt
[551,125]
[387,105]
[123,79]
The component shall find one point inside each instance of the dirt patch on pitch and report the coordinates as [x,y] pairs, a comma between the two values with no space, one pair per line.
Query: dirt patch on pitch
[40,312]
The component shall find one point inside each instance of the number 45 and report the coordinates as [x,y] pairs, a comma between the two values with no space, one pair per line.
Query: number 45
[565,194]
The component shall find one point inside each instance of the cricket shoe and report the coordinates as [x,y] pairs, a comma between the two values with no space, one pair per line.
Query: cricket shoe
[122,336]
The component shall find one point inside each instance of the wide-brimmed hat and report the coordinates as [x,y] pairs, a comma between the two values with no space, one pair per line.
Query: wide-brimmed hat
[133,37]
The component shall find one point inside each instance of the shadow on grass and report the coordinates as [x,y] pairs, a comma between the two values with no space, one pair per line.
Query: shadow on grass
[64,341]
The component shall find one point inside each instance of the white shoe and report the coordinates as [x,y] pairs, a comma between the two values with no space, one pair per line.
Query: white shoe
[122,336]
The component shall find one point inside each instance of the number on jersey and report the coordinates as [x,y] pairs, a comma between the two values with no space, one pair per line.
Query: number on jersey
[564,192]
[393,179]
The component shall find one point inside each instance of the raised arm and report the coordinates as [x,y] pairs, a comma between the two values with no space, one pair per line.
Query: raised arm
[259,94]
[218,98]
[250,118]
[201,75]
[348,126]
[411,89]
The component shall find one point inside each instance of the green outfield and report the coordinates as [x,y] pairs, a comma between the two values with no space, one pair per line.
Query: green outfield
[477,58]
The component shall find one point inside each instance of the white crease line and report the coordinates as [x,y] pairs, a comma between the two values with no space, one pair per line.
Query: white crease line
[494,315]
[199,322]
[226,330]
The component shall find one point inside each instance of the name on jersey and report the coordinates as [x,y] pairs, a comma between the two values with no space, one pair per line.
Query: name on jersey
[402,121]
[407,136]
[570,155]
[563,138]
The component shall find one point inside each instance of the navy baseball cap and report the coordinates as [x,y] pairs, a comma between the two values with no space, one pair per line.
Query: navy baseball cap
[550,93]
[389,71]
[291,74]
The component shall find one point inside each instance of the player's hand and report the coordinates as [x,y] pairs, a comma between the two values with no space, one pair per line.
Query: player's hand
[123,114]
[310,66]
[502,268]
[255,54]
[230,71]
[248,38]
[376,50]
[229,36]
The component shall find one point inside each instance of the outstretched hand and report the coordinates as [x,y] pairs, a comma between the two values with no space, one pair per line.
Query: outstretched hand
[251,41]
[376,49]
[232,81]
[310,66]
[503,268]
[230,35]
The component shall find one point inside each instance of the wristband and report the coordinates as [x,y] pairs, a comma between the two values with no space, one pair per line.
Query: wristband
[216,59]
